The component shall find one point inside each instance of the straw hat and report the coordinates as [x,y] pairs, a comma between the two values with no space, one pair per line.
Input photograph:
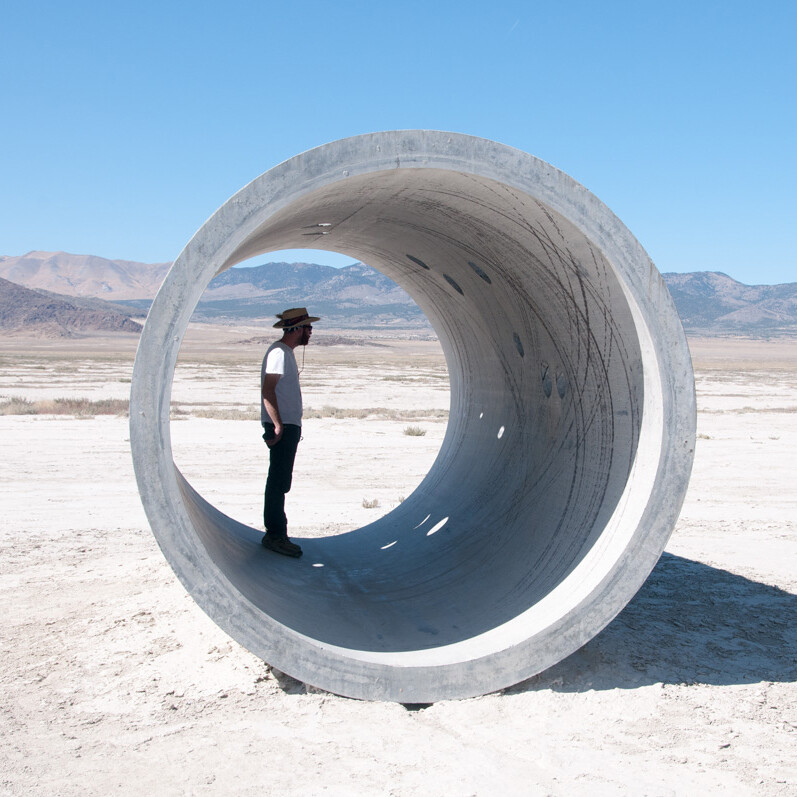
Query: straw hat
[296,317]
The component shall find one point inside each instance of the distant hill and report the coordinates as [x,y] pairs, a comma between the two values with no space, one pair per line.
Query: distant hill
[84,275]
[31,312]
[356,295]
[710,303]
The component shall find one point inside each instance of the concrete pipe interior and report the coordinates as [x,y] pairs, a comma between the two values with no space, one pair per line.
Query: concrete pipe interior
[568,447]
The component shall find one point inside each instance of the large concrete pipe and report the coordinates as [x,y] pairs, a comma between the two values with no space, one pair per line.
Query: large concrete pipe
[569,443]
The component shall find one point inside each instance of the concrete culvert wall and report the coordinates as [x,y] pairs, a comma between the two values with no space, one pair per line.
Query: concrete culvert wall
[568,448]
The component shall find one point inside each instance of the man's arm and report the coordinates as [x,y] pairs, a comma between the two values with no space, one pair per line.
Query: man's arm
[269,393]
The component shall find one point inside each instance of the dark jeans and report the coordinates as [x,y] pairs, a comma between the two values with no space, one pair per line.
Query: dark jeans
[280,475]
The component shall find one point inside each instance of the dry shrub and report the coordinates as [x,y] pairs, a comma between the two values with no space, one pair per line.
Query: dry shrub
[78,407]
[380,413]
[223,413]
[15,405]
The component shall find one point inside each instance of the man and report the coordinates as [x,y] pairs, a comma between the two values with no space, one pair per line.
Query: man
[281,416]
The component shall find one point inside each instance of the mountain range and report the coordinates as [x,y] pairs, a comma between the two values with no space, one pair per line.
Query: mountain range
[84,275]
[23,310]
[710,303]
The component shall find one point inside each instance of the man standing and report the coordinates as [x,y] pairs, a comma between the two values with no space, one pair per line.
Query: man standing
[281,416]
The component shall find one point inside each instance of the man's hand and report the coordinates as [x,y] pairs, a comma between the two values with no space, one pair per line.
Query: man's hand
[278,429]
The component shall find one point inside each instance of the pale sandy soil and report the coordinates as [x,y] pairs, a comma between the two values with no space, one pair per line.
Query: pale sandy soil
[115,682]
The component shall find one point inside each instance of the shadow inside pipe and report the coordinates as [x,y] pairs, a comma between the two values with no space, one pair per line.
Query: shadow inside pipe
[689,624]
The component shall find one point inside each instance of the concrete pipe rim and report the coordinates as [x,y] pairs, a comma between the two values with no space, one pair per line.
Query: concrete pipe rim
[535,260]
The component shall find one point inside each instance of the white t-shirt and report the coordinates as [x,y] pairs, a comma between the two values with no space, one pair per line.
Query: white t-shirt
[279,359]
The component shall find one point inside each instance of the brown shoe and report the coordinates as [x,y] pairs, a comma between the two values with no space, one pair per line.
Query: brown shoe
[281,545]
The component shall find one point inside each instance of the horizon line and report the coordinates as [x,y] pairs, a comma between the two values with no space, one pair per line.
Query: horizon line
[334,260]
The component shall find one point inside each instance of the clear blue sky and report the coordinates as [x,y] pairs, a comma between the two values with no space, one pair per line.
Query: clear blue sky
[125,125]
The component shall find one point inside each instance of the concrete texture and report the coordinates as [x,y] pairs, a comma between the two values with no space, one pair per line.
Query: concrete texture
[567,453]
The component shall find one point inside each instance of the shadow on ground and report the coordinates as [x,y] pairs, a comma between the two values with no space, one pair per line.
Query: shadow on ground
[689,624]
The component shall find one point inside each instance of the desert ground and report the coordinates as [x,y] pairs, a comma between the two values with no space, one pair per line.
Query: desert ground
[114,681]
